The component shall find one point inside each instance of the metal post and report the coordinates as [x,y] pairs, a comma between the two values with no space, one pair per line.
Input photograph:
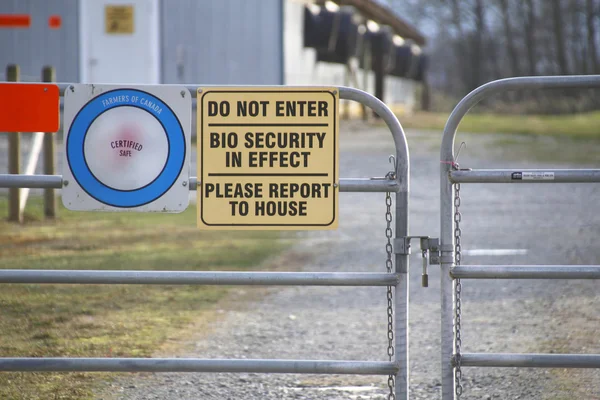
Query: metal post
[49,75]
[402,288]
[14,157]
[446,281]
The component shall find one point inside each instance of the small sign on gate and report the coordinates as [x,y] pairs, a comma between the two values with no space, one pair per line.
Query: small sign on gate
[268,158]
[29,107]
[127,148]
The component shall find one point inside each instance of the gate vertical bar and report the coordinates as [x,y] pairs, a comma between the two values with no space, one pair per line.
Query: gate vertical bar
[446,281]
[402,290]
[401,260]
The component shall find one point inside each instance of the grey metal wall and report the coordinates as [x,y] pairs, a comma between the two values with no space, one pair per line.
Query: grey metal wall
[37,46]
[203,41]
[222,41]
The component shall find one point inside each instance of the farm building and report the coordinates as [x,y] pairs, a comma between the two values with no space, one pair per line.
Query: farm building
[225,42]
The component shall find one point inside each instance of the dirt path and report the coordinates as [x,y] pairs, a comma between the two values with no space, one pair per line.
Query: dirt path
[551,224]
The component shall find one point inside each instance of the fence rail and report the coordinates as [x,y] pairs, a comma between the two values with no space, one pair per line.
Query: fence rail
[530,360]
[508,176]
[56,182]
[198,278]
[48,364]
[526,272]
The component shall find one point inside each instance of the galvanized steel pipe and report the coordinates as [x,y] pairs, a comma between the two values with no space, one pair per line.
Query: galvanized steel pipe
[56,182]
[197,278]
[196,365]
[530,360]
[526,272]
[508,176]
[31,181]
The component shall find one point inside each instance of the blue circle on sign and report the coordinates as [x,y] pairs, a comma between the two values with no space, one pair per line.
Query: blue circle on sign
[86,117]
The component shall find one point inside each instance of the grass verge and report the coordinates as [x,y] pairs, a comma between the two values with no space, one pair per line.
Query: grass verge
[107,320]
[585,125]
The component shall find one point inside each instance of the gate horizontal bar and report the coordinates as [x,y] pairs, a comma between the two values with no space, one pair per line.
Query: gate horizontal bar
[348,185]
[31,181]
[198,277]
[368,185]
[508,176]
[530,360]
[526,272]
[196,365]
[56,182]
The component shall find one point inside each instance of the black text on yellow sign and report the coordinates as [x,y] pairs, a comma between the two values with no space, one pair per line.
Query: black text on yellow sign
[268,158]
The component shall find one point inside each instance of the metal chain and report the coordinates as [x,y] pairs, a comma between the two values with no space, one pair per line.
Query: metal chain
[390,303]
[457,292]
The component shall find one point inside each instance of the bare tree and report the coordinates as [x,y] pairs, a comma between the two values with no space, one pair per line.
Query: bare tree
[459,43]
[474,41]
[590,16]
[559,37]
[578,47]
[478,40]
[529,25]
[508,33]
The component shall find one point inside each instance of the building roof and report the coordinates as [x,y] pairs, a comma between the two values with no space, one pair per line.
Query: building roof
[384,15]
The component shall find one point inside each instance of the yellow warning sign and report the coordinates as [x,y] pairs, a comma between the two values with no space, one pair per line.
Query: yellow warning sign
[118,19]
[268,158]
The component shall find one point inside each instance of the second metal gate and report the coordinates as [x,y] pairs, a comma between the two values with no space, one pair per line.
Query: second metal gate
[452,272]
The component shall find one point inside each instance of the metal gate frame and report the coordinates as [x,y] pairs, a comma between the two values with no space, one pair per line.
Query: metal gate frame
[451,175]
[398,279]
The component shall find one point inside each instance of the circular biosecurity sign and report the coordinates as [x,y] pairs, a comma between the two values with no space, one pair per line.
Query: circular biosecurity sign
[127,149]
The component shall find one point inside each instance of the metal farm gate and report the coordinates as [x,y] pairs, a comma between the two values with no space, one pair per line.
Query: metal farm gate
[452,272]
[445,252]
[395,279]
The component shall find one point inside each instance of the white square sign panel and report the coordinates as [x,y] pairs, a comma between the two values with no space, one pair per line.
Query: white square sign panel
[127,148]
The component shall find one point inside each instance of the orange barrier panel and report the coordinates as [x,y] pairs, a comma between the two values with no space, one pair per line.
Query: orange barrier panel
[26,107]
[15,21]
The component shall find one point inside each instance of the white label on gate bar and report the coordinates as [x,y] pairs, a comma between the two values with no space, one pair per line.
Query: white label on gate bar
[538,176]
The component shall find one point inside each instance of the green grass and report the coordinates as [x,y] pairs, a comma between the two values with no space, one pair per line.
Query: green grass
[586,125]
[107,320]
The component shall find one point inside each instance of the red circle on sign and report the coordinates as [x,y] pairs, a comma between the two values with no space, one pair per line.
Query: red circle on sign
[54,21]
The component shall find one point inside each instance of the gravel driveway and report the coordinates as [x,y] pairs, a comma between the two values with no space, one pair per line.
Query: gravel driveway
[550,224]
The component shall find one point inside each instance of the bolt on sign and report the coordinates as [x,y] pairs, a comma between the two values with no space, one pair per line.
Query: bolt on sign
[118,19]
[268,158]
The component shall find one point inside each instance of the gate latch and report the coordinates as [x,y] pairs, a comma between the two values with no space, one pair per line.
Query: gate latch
[428,245]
